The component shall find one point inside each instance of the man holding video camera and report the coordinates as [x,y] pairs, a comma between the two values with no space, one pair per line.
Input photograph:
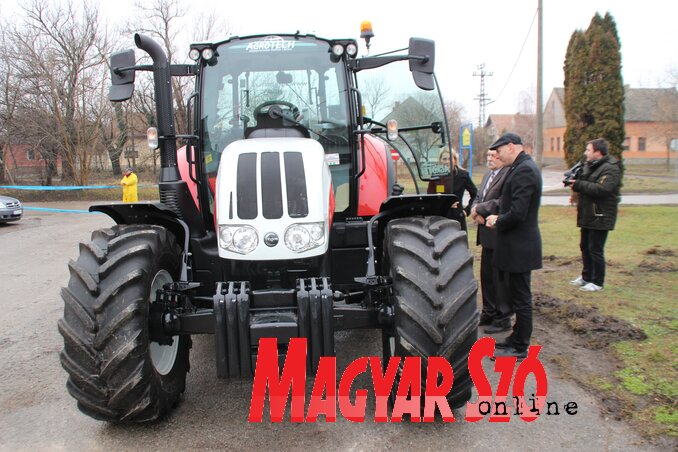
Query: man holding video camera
[598,189]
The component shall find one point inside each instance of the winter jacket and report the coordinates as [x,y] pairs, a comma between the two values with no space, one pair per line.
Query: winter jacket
[518,238]
[456,185]
[129,188]
[486,204]
[598,189]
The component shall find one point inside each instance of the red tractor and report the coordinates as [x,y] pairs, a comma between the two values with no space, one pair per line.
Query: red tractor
[280,218]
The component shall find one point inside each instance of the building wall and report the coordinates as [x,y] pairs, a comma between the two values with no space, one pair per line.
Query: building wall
[554,145]
[656,137]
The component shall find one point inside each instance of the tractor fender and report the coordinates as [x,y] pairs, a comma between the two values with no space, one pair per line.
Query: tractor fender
[405,206]
[152,213]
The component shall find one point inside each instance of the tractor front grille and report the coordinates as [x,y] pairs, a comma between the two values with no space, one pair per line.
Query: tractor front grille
[270,175]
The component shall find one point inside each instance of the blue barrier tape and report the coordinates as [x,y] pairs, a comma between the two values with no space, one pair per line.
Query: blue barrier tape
[48,209]
[68,187]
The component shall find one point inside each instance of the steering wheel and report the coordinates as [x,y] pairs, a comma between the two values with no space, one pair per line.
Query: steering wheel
[273,108]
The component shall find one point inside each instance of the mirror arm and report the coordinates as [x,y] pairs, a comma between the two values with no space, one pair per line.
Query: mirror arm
[145,67]
[374,62]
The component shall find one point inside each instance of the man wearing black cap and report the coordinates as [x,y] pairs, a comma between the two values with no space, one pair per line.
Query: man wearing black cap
[518,250]
[496,315]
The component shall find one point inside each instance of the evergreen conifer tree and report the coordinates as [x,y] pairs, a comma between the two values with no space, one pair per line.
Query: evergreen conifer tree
[594,89]
[575,97]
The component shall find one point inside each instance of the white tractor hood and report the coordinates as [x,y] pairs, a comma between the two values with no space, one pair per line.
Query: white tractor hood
[273,199]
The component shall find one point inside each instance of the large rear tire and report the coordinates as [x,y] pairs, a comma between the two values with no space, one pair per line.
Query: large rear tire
[116,373]
[434,297]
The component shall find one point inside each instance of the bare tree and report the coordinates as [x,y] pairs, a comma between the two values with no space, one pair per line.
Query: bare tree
[454,112]
[164,20]
[526,102]
[8,102]
[376,96]
[56,51]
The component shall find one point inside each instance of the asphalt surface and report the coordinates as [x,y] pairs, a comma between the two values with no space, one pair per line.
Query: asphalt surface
[553,181]
[36,412]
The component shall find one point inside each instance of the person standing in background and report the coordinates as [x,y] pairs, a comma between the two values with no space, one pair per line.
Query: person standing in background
[129,184]
[598,189]
[456,183]
[518,249]
[496,314]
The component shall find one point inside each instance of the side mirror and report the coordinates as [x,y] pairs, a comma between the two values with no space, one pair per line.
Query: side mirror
[422,60]
[122,81]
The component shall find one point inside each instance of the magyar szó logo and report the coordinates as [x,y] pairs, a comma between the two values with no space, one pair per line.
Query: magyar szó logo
[330,391]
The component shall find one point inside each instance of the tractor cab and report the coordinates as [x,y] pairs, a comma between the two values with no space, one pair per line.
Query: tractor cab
[302,86]
[274,87]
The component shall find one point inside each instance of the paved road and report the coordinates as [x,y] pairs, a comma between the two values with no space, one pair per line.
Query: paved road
[37,413]
[553,180]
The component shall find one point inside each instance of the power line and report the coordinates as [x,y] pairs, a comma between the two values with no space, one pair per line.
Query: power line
[517,58]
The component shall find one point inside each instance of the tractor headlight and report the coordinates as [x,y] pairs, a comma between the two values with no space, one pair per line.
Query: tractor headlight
[304,236]
[239,239]
[207,53]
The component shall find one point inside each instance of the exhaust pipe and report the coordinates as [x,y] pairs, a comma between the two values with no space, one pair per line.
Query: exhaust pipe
[169,171]
[174,192]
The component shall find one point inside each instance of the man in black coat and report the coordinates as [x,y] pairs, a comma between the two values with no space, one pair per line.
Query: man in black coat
[496,315]
[598,189]
[518,249]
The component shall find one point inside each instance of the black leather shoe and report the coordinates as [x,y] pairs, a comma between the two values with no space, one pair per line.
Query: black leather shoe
[510,351]
[506,343]
[485,320]
[498,327]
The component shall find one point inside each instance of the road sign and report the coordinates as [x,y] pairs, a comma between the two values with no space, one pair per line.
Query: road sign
[466,138]
[394,155]
[466,143]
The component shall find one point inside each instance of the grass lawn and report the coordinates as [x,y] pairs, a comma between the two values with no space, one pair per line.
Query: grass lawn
[635,184]
[657,170]
[640,287]
[145,193]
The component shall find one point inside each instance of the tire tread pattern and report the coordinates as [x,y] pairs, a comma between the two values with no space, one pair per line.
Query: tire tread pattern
[435,294]
[105,327]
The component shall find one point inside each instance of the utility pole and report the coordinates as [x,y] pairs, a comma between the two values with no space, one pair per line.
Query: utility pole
[539,148]
[482,97]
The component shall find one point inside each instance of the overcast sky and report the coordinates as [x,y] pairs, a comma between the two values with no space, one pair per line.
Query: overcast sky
[467,34]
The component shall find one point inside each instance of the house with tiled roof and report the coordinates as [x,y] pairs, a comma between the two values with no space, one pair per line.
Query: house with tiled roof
[651,122]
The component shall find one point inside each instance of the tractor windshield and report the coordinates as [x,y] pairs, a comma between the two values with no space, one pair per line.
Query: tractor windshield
[251,83]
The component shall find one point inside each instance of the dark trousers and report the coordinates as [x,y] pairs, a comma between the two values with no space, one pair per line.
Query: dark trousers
[495,301]
[520,295]
[592,245]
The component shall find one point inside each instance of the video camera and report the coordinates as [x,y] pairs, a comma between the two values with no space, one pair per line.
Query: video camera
[573,173]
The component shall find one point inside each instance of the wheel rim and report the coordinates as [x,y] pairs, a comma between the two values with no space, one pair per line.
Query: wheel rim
[162,356]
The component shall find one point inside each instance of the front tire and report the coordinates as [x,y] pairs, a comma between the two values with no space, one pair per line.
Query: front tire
[434,297]
[116,373]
